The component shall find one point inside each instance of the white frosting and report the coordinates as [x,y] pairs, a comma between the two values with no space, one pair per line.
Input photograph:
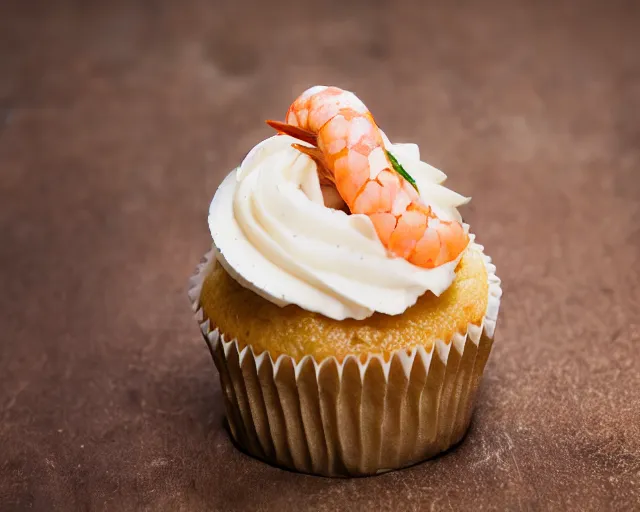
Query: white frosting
[274,235]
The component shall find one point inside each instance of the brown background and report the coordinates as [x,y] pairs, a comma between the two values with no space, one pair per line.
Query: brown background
[117,122]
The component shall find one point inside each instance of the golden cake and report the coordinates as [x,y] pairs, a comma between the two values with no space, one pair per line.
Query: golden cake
[292,331]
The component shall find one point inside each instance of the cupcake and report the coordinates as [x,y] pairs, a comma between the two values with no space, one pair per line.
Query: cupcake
[347,307]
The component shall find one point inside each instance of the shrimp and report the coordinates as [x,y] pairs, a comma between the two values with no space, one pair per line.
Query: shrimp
[349,151]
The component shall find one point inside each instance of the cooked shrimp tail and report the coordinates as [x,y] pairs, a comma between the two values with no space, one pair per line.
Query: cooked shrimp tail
[349,150]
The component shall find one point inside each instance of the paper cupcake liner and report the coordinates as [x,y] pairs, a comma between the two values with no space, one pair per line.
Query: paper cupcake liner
[350,418]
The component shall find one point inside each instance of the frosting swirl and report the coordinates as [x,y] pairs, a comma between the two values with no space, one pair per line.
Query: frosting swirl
[275,236]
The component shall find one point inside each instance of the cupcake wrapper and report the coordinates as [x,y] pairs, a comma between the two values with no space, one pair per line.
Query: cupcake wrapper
[350,418]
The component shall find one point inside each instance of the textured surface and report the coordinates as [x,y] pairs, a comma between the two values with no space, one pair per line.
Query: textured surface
[118,120]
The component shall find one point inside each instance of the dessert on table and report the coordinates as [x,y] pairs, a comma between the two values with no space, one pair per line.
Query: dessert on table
[348,308]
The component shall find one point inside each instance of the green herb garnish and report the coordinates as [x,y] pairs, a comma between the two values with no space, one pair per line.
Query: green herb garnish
[400,170]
